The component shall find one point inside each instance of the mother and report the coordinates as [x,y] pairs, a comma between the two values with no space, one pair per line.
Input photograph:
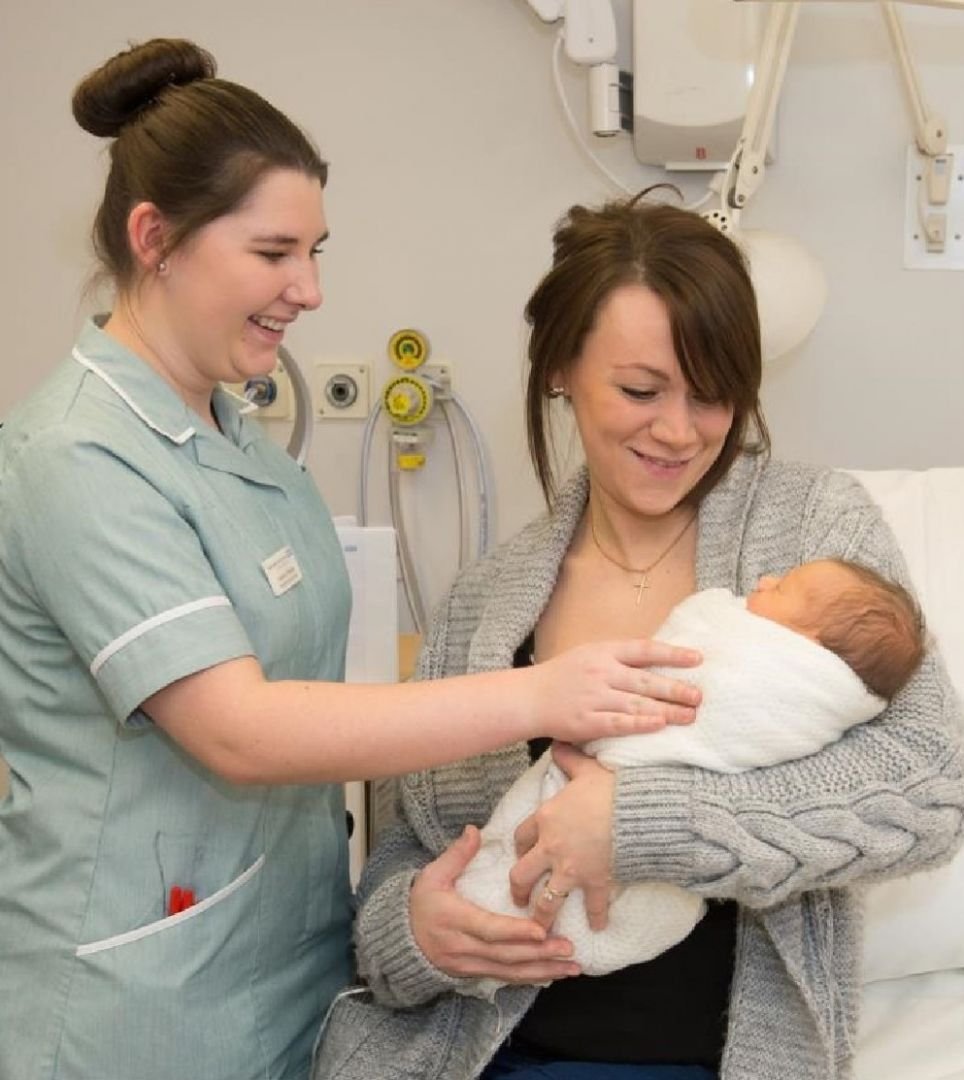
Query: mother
[646,325]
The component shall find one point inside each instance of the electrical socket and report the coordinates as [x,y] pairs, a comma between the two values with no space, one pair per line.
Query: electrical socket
[342,391]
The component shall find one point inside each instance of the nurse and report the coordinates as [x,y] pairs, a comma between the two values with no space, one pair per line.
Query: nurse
[173,613]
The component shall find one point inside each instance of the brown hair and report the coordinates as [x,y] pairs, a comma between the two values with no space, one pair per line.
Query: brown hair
[876,627]
[190,143]
[701,277]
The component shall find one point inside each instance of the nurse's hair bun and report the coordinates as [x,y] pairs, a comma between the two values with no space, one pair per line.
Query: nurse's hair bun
[121,89]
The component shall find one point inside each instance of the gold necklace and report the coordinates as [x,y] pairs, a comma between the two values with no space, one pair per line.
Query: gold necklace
[643,571]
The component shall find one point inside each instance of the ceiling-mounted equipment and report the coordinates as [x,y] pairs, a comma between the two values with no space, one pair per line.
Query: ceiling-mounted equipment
[693,66]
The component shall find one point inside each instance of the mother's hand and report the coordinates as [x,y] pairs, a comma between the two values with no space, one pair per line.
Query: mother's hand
[569,837]
[466,941]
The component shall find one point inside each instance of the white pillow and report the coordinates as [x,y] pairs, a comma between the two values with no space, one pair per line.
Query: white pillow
[916,924]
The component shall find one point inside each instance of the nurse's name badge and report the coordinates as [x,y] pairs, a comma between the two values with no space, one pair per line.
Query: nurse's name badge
[282,571]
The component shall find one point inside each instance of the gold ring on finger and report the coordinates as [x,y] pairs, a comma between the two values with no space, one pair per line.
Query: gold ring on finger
[551,895]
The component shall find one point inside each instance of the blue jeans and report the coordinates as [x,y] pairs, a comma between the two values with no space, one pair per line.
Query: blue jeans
[509,1064]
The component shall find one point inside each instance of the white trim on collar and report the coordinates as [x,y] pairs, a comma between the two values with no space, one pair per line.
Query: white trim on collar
[179,439]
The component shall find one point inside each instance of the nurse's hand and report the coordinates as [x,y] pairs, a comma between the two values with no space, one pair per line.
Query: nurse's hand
[605,688]
[567,842]
[466,941]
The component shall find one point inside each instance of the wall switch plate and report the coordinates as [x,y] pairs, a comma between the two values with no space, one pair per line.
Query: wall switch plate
[342,391]
[921,251]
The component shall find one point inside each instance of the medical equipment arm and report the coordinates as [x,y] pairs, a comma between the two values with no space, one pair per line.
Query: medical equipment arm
[748,163]
[930,131]
[930,135]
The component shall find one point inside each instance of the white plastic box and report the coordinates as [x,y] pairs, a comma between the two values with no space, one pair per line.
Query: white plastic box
[693,66]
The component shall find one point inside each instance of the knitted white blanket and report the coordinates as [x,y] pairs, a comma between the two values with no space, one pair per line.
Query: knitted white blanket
[769,695]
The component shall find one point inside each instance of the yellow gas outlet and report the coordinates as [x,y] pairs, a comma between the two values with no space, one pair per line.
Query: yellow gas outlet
[407,399]
[408,349]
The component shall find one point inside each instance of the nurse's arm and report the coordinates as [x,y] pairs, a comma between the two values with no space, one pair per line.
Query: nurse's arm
[252,731]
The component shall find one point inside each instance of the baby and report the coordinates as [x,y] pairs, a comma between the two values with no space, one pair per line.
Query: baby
[785,671]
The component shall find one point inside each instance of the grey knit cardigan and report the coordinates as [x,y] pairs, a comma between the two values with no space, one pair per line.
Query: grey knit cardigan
[789,843]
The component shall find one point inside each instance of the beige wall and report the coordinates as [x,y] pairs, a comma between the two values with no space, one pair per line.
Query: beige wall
[450,162]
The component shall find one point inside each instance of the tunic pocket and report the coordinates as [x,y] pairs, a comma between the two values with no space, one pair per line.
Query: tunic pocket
[159,925]
[174,997]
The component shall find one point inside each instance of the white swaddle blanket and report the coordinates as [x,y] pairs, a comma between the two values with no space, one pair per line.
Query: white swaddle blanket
[769,695]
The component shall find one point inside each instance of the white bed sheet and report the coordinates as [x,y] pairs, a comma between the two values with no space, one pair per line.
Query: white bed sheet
[913,1029]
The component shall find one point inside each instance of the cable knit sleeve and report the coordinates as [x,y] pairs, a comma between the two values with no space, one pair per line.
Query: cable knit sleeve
[885,800]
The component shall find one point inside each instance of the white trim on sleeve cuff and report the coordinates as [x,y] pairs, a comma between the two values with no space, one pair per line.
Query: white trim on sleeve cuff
[149,624]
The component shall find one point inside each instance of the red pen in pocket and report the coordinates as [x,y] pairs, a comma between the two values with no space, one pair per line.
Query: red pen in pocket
[179,900]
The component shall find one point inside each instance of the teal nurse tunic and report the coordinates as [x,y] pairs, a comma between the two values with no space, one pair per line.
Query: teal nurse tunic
[139,545]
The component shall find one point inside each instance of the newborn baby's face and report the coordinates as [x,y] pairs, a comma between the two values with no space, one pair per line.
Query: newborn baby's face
[794,600]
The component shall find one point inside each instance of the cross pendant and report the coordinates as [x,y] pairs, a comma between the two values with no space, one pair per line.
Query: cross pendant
[643,584]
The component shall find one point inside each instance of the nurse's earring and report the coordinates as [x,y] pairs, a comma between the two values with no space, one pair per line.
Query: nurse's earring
[161,268]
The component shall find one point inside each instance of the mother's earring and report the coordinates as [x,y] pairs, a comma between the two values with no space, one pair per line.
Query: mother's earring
[556,391]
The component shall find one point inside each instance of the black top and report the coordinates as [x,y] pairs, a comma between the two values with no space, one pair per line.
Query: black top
[670,1010]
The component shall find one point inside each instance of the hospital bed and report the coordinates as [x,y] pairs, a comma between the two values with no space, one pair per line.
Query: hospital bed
[912,1025]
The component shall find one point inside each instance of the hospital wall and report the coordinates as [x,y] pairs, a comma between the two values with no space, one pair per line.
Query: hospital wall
[450,162]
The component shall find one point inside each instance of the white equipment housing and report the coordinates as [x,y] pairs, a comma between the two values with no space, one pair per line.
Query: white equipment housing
[693,66]
[372,655]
